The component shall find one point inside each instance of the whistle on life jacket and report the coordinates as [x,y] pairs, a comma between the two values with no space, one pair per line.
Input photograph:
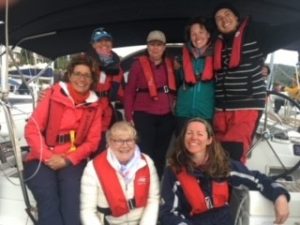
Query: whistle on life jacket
[72,140]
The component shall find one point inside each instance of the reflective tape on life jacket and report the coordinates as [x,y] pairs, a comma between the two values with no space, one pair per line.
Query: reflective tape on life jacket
[189,72]
[56,111]
[148,73]
[112,188]
[104,83]
[236,48]
[197,199]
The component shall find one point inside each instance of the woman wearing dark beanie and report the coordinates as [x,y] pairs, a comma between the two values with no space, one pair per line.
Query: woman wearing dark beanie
[239,53]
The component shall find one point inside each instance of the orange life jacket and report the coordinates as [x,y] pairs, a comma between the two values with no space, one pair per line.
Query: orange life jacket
[189,72]
[56,111]
[113,190]
[236,48]
[195,196]
[144,61]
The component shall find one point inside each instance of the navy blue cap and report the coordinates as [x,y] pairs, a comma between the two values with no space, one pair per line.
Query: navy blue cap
[100,34]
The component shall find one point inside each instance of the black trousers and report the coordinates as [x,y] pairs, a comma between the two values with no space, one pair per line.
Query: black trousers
[154,132]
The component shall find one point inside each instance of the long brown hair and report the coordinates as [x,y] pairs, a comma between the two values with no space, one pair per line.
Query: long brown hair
[217,165]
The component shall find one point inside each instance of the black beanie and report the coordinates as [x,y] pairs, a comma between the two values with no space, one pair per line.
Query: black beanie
[226,5]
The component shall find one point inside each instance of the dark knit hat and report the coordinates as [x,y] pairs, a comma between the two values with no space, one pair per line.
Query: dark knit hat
[226,5]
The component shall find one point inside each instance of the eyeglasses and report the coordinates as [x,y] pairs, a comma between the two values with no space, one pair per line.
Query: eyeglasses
[86,76]
[121,142]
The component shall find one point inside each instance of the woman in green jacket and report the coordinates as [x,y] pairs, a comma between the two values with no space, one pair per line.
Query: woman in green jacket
[195,97]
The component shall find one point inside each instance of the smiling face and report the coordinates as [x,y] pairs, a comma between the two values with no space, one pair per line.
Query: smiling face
[122,141]
[196,138]
[199,35]
[103,47]
[227,22]
[81,78]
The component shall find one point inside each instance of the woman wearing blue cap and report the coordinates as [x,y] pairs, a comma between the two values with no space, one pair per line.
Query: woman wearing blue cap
[110,86]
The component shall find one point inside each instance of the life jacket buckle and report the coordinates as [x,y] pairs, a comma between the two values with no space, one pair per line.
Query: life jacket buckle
[166,89]
[131,203]
[62,139]
[208,202]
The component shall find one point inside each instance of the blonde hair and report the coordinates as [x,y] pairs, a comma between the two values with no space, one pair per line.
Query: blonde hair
[119,128]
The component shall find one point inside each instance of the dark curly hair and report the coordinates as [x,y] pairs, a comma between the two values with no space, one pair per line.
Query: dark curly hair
[218,163]
[203,22]
[83,59]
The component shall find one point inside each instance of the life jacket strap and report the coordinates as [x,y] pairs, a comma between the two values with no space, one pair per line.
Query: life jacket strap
[107,211]
[164,89]
[63,138]
[102,94]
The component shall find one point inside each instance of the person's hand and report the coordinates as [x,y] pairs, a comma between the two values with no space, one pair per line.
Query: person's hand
[42,94]
[177,65]
[131,122]
[57,162]
[281,209]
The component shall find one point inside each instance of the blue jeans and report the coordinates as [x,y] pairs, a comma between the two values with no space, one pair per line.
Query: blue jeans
[56,193]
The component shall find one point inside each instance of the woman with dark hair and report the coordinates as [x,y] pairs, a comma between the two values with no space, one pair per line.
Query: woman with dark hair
[110,87]
[62,132]
[195,96]
[197,181]
[149,99]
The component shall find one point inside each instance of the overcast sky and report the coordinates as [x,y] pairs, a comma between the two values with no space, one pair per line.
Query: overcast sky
[284,57]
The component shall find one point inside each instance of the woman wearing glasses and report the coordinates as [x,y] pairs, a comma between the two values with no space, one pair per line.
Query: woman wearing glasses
[62,132]
[120,186]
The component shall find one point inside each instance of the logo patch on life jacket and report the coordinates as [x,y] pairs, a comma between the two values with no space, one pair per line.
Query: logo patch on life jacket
[142,181]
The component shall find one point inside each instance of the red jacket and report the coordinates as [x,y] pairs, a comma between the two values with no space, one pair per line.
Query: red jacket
[37,124]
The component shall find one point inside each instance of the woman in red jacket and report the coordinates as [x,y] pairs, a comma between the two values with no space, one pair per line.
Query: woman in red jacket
[62,132]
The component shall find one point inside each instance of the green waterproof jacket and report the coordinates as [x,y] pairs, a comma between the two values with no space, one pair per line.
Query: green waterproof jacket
[195,100]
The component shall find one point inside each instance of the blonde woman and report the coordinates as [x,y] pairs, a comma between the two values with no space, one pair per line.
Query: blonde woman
[120,186]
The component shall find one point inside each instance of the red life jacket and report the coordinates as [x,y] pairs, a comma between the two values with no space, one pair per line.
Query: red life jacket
[195,196]
[236,48]
[113,190]
[104,90]
[56,111]
[144,61]
[189,73]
